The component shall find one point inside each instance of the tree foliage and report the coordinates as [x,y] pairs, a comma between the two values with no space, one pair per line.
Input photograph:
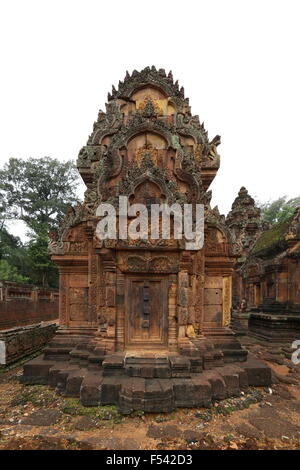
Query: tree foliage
[43,269]
[10,273]
[38,192]
[278,210]
[14,253]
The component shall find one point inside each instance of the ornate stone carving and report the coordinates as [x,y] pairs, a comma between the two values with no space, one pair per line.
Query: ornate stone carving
[226,300]
[148,263]
[126,295]
[150,107]
[244,221]
[149,147]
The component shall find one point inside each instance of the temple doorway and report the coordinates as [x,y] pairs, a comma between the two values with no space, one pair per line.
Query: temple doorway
[146,312]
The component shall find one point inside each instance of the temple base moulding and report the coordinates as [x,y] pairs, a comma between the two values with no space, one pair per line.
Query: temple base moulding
[203,370]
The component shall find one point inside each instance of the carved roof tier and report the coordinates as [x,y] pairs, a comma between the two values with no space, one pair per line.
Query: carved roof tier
[147,138]
[148,103]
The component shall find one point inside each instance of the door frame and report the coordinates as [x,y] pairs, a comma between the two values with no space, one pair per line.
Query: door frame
[164,303]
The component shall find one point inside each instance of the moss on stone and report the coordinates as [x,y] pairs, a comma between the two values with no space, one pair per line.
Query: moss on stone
[272,237]
[72,406]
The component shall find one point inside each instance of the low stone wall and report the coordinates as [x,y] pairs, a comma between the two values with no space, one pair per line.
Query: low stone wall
[16,343]
[25,304]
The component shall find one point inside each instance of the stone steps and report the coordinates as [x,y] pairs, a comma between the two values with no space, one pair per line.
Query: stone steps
[147,367]
[36,371]
[146,394]
[114,384]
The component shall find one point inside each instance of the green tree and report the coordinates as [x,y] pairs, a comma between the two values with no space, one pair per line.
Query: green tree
[43,269]
[278,210]
[14,252]
[10,273]
[37,191]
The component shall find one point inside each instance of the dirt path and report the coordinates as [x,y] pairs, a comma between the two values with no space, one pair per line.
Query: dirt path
[35,417]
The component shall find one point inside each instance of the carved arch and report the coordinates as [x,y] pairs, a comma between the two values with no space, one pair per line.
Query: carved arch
[150,177]
[138,126]
[148,86]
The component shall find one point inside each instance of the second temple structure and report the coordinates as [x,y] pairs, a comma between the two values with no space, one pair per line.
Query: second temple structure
[144,324]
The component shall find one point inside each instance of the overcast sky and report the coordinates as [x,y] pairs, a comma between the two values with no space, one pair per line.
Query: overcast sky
[238,61]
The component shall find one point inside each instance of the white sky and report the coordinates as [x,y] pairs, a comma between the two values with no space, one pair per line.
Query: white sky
[237,60]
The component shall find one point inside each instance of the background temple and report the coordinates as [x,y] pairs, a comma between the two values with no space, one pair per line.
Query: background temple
[144,324]
[266,279]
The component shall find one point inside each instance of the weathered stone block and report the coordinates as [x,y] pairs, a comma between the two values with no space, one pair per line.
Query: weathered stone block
[73,383]
[16,343]
[218,385]
[259,375]
[90,394]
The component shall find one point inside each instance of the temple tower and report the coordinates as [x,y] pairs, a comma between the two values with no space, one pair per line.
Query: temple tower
[150,308]
[245,224]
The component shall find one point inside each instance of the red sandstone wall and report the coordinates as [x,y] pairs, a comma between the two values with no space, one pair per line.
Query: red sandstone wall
[24,304]
[294,282]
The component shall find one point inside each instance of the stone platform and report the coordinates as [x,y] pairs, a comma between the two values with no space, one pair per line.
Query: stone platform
[275,327]
[151,382]
[239,322]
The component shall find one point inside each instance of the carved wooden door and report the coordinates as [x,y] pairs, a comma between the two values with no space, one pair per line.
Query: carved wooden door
[213,307]
[146,312]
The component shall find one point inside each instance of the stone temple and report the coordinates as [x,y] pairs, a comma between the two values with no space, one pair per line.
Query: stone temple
[144,324]
[266,278]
